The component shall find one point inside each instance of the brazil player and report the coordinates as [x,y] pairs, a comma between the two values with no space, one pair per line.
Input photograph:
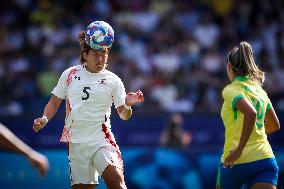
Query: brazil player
[89,90]
[248,117]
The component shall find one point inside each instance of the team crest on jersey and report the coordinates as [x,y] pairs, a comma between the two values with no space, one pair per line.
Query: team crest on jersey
[102,81]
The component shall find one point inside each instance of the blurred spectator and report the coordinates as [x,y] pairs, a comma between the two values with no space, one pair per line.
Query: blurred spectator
[207,32]
[173,134]
[10,107]
[173,50]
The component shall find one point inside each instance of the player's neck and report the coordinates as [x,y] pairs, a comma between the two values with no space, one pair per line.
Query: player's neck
[92,70]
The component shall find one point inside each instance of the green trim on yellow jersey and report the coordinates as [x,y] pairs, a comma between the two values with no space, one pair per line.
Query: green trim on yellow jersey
[268,106]
[235,101]
[257,147]
[241,78]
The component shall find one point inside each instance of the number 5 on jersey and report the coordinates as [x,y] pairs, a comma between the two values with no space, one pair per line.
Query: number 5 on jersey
[85,90]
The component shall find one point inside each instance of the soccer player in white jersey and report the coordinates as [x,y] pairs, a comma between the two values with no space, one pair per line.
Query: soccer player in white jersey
[89,90]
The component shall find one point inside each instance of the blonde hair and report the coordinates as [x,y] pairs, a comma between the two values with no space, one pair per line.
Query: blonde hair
[243,63]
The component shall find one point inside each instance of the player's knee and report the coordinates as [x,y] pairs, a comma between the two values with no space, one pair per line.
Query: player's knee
[121,185]
[114,178]
[118,182]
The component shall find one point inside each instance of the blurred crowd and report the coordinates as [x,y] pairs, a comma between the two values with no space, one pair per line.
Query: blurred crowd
[174,51]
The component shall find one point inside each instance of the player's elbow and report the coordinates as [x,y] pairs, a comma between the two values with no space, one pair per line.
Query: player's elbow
[272,128]
[277,126]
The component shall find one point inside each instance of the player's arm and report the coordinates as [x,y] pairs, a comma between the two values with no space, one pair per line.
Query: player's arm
[245,107]
[11,142]
[49,111]
[131,99]
[271,121]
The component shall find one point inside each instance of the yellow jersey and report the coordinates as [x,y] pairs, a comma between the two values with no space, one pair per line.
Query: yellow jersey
[257,147]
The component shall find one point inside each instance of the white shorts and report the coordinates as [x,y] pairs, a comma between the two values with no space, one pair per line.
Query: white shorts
[88,160]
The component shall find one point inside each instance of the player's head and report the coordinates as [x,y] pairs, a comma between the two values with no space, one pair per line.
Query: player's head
[87,52]
[241,63]
[96,42]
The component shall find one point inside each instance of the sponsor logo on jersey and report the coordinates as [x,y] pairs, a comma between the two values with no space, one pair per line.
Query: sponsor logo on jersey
[103,81]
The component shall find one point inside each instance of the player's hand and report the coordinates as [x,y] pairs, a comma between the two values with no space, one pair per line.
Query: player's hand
[134,98]
[39,123]
[39,161]
[231,158]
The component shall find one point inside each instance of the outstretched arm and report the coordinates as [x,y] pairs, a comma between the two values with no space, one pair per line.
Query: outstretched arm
[131,99]
[49,111]
[12,143]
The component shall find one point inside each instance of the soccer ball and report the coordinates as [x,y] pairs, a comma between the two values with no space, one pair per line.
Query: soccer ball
[99,35]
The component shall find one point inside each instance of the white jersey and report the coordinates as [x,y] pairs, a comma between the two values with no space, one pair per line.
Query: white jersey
[89,97]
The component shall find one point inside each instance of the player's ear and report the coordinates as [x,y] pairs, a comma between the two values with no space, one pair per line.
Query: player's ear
[85,55]
[229,67]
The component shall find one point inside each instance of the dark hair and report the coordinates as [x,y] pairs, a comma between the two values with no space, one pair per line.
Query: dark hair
[242,61]
[84,46]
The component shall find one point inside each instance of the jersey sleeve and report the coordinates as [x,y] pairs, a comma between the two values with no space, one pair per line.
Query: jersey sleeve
[232,95]
[119,93]
[60,88]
